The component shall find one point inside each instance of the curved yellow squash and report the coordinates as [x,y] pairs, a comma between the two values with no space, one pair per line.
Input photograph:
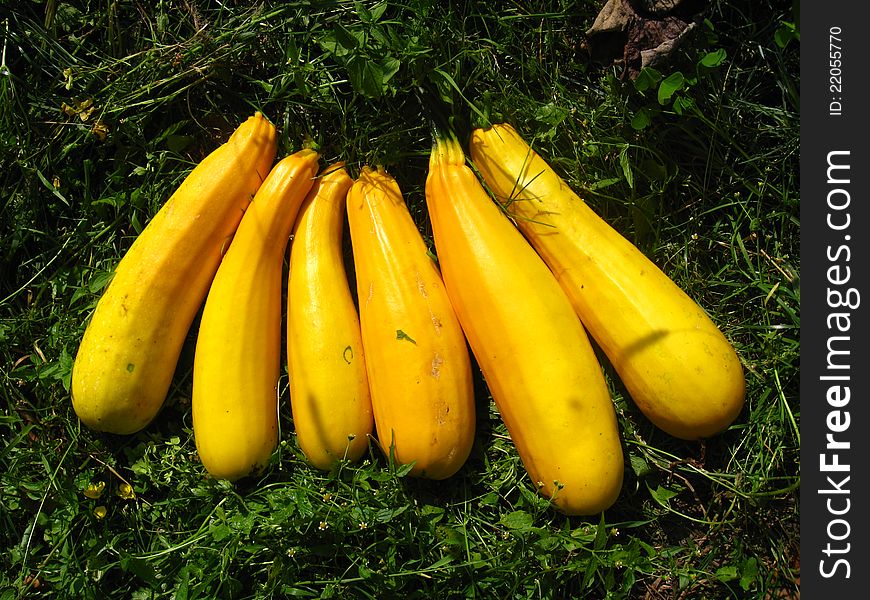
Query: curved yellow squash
[238,349]
[329,388]
[130,349]
[676,364]
[417,361]
[535,356]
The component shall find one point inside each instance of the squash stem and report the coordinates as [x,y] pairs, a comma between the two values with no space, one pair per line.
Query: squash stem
[446,149]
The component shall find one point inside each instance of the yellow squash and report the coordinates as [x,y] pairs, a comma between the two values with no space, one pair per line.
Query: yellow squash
[238,348]
[329,388]
[676,364]
[416,357]
[130,349]
[535,356]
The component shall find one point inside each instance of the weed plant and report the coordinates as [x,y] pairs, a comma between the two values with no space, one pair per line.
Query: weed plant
[106,106]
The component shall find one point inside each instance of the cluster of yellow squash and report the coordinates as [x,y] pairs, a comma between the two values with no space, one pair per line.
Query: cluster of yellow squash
[512,288]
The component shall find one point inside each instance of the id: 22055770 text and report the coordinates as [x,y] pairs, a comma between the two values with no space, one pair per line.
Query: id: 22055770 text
[835,71]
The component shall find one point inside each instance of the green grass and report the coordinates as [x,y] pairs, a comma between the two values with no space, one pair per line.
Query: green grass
[706,186]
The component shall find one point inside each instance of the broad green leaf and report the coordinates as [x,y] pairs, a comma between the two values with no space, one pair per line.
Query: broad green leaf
[370,15]
[603,183]
[638,465]
[601,535]
[182,590]
[441,562]
[390,66]
[100,281]
[669,86]
[405,469]
[366,76]
[220,532]
[785,33]
[142,569]
[551,114]
[714,59]
[682,104]
[749,573]
[340,42]
[347,39]
[641,119]
[647,78]
[662,495]
[177,143]
[625,163]
[297,592]
[518,520]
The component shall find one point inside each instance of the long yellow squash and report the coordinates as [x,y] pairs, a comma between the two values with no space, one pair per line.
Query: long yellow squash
[329,388]
[535,356]
[130,349]
[676,364]
[417,360]
[238,348]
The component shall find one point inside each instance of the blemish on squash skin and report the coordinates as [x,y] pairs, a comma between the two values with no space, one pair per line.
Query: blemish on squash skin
[421,285]
[437,361]
[348,354]
[443,410]
[130,367]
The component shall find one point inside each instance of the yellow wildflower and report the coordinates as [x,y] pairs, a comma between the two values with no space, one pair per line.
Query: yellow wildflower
[125,491]
[95,490]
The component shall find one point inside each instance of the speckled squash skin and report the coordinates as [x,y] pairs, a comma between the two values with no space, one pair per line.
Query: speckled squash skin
[417,360]
[676,364]
[329,388]
[535,356]
[238,347]
[130,348]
